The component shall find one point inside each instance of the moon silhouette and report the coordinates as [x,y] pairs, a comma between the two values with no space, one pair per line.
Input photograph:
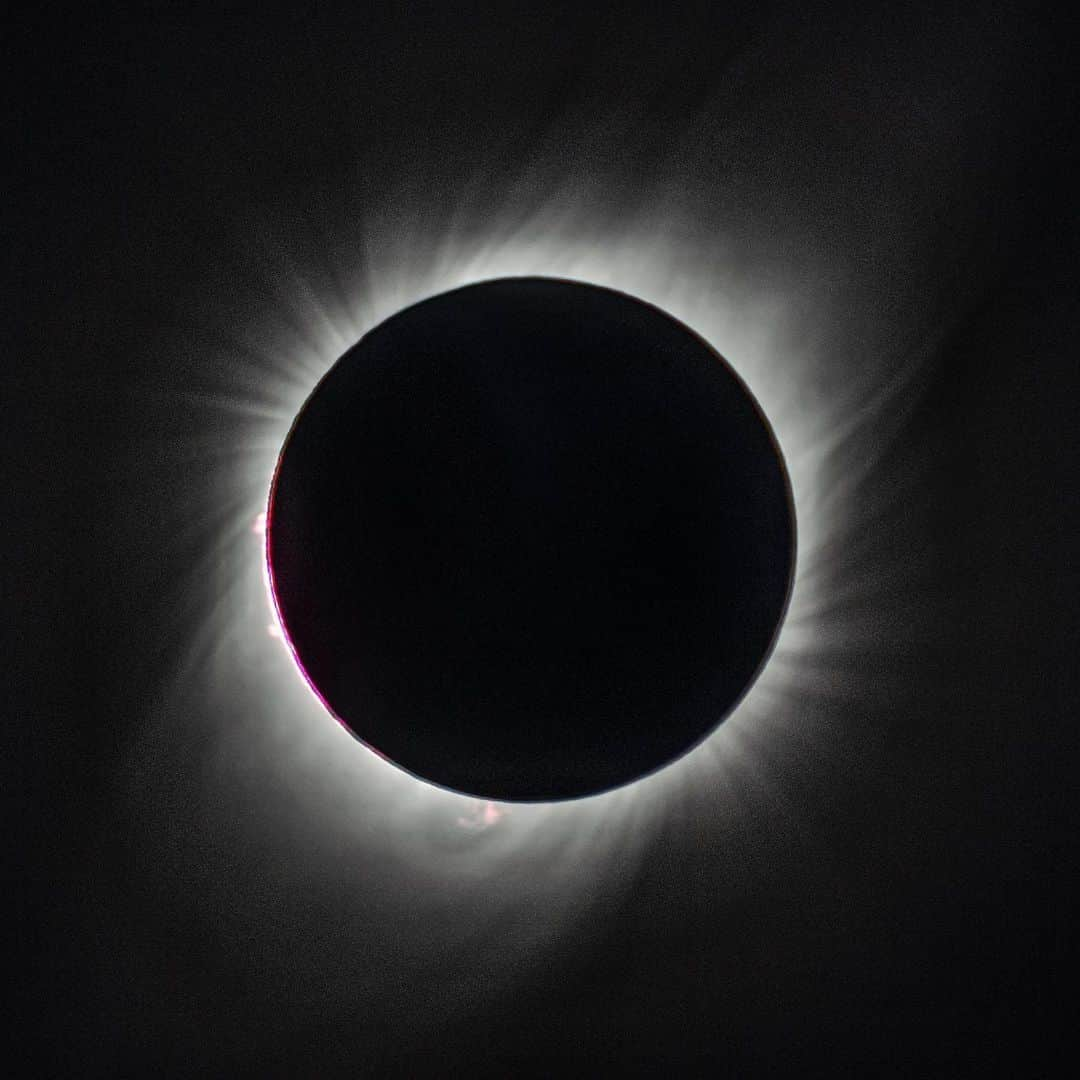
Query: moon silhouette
[530,539]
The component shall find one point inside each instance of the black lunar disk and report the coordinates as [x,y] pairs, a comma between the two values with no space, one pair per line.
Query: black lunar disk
[530,539]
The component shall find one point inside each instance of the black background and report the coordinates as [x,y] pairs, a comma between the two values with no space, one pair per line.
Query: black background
[925,156]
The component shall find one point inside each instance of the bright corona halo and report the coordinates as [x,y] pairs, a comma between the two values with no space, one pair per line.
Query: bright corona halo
[530,539]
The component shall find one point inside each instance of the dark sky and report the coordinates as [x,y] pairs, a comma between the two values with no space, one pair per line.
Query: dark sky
[888,198]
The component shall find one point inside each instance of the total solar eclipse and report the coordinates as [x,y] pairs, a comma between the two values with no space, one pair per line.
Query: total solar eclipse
[530,539]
